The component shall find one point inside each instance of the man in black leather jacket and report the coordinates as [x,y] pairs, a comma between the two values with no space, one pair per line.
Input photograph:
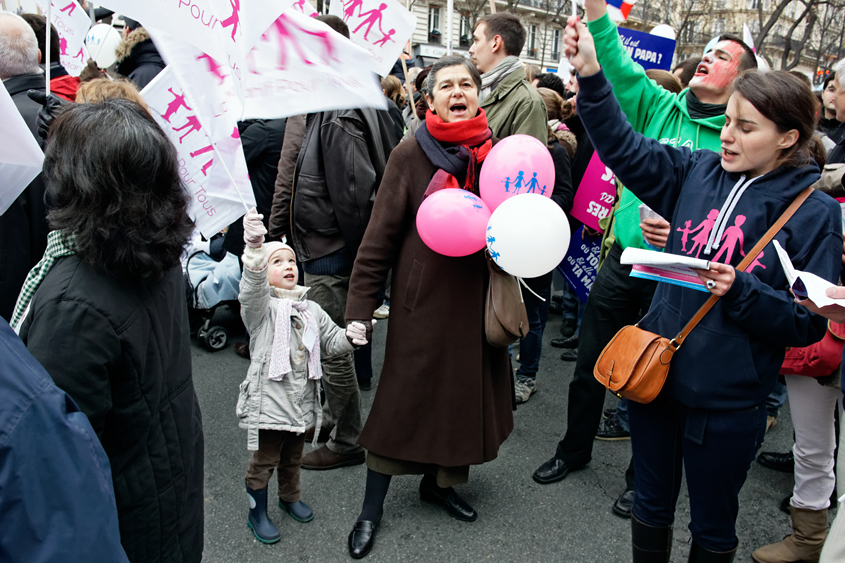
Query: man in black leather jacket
[338,171]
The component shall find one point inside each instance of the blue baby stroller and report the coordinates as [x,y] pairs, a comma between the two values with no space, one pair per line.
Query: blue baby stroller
[212,277]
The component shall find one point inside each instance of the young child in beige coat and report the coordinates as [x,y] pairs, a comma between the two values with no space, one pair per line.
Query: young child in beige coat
[280,396]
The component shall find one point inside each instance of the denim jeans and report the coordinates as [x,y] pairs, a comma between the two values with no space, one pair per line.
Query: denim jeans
[622,414]
[531,346]
[572,307]
[776,399]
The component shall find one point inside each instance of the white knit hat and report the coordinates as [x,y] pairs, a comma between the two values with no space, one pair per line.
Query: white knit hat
[273,247]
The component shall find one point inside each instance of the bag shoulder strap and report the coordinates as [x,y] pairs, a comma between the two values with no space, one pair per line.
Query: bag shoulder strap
[749,258]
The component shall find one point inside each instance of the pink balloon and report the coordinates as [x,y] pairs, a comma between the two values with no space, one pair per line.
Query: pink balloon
[453,222]
[519,164]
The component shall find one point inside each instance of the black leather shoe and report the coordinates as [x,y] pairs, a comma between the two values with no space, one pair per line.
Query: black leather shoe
[553,471]
[555,308]
[455,506]
[568,327]
[570,342]
[778,461]
[361,537]
[625,503]
[569,355]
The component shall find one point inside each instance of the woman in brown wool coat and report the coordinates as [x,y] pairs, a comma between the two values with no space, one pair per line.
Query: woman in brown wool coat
[445,399]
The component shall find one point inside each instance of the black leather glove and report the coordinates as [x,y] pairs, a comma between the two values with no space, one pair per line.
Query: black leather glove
[52,108]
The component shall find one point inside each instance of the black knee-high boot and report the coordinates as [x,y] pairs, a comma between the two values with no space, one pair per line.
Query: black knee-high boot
[650,544]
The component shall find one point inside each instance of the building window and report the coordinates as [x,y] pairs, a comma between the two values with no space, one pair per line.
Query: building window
[434,25]
[753,4]
[556,44]
[466,33]
[532,41]
[718,27]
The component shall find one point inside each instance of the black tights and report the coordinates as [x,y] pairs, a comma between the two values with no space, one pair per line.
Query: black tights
[376,491]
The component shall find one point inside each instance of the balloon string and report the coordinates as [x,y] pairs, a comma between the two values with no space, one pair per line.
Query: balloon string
[522,281]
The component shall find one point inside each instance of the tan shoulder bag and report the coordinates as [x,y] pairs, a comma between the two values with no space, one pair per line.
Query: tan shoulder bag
[635,363]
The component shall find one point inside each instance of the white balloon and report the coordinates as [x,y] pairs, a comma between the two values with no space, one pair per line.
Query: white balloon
[528,235]
[102,40]
[663,30]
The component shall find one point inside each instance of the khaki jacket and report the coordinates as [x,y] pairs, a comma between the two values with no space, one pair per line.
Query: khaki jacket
[514,107]
[291,404]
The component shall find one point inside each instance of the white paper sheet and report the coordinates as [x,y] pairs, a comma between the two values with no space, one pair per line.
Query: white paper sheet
[20,156]
[814,285]
[644,257]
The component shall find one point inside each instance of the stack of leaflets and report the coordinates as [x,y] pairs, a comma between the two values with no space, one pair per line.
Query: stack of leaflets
[665,267]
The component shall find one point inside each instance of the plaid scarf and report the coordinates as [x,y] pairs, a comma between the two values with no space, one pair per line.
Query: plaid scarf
[59,244]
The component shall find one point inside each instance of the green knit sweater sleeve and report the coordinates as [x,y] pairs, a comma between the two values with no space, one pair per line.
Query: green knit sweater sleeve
[640,98]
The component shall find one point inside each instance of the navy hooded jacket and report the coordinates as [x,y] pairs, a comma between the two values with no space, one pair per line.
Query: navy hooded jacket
[731,360]
[56,496]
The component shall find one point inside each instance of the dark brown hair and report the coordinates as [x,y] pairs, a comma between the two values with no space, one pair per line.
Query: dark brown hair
[748,59]
[39,26]
[556,107]
[112,176]
[508,27]
[687,67]
[335,23]
[786,101]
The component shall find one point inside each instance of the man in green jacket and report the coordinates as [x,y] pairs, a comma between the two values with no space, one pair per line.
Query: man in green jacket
[512,105]
[694,119]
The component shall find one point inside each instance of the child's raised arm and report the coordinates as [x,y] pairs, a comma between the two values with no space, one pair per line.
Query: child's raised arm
[254,293]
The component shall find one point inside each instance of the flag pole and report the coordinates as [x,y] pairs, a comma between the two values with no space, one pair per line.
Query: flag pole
[229,174]
[47,48]
[450,8]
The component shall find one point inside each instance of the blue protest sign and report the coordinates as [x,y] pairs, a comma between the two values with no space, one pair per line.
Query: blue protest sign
[649,50]
[581,263]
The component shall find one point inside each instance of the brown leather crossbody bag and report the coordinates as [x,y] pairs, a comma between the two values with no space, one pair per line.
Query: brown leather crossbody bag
[635,363]
[505,318]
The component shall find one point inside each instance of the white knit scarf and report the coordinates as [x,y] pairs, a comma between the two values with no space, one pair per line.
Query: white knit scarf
[280,358]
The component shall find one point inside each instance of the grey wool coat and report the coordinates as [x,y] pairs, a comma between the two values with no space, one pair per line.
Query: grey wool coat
[445,396]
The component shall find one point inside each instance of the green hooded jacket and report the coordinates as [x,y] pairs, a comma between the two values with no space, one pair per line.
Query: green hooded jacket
[650,110]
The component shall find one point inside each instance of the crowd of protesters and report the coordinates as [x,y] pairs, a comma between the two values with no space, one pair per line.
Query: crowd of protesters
[95,345]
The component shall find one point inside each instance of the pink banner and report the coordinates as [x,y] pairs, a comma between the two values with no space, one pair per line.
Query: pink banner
[595,194]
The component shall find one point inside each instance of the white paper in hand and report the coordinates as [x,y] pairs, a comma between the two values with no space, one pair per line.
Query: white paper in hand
[20,156]
[806,285]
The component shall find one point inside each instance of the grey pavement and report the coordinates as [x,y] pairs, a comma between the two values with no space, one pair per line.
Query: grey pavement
[519,520]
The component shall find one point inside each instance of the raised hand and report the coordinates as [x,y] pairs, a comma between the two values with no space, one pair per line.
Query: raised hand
[254,230]
[579,47]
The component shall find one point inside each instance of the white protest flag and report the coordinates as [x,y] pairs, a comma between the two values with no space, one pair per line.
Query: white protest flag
[380,26]
[224,29]
[300,65]
[215,200]
[305,7]
[747,37]
[20,156]
[71,23]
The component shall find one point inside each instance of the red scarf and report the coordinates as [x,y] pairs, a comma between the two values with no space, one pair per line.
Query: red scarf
[472,134]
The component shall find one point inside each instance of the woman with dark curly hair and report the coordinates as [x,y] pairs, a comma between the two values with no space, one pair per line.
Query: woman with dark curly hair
[104,312]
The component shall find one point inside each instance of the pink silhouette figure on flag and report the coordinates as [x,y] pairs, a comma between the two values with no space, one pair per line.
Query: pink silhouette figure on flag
[63,46]
[234,19]
[703,229]
[372,17]
[203,150]
[732,236]
[686,230]
[194,125]
[349,8]
[213,67]
[284,30]
[757,262]
[236,134]
[387,37]
[70,8]
[173,107]
[80,55]
[206,166]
